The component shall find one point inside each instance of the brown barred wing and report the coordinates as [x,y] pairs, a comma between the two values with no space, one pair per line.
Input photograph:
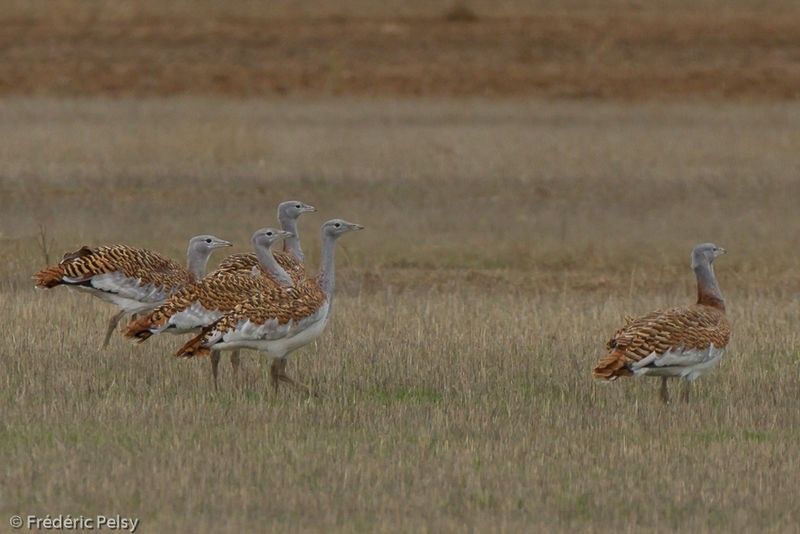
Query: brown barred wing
[693,327]
[271,303]
[200,304]
[246,261]
[146,267]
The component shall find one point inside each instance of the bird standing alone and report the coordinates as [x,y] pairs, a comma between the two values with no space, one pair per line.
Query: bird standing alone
[684,342]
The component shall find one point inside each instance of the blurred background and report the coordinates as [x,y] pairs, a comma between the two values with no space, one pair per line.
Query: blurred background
[573,49]
[506,129]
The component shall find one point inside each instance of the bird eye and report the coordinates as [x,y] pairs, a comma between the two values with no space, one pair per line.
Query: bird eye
[269,233]
[208,240]
[337,225]
[298,206]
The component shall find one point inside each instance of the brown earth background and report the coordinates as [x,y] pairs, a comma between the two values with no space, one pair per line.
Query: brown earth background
[612,49]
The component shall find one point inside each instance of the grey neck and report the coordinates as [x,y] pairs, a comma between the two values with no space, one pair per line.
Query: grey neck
[708,292]
[197,261]
[327,273]
[274,270]
[292,244]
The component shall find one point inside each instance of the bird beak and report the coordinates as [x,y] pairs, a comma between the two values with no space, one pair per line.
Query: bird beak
[286,235]
[357,227]
[721,251]
[222,243]
[309,208]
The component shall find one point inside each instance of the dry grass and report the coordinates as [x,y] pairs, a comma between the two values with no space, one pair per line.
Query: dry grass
[505,241]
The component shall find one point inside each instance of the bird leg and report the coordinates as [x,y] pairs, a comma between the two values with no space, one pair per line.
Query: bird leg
[235,361]
[215,356]
[664,391]
[112,325]
[687,386]
[278,374]
[274,373]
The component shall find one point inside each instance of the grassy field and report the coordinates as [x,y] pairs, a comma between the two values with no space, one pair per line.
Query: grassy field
[504,243]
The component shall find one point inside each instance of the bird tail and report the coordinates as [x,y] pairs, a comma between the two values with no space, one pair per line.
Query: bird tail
[140,328]
[612,366]
[194,347]
[54,275]
[49,277]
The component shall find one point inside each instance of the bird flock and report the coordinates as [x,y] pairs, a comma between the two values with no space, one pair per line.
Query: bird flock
[262,301]
[266,301]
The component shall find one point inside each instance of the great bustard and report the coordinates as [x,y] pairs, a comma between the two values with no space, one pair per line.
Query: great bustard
[681,342]
[134,279]
[278,321]
[205,301]
[291,259]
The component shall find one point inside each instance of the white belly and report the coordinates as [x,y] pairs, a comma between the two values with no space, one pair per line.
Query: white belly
[194,317]
[686,364]
[127,293]
[278,348]
[127,304]
[276,342]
